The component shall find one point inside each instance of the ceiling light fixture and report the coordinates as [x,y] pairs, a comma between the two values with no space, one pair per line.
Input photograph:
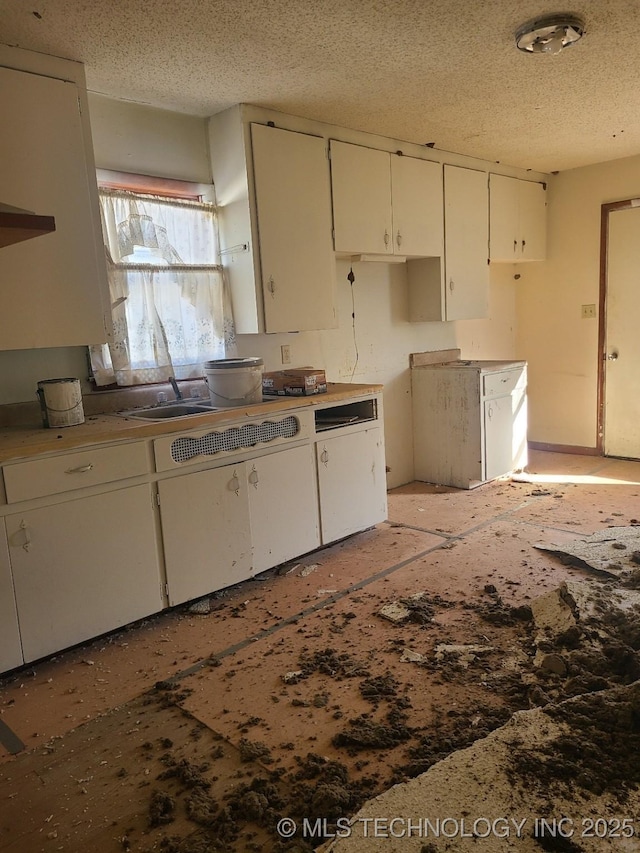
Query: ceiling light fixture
[549,34]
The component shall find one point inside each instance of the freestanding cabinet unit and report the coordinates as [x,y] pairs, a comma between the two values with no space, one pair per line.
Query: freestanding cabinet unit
[469,421]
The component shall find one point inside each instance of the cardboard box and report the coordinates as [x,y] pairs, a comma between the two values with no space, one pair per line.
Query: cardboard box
[295,382]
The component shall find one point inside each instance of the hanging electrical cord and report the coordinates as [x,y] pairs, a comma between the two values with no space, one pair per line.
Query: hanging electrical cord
[351,278]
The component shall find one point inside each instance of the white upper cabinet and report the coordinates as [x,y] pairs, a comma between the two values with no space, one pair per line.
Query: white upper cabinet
[385,204]
[459,288]
[291,173]
[54,290]
[361,186]
[517,219]
[417,207]
[274,203]
[466,214]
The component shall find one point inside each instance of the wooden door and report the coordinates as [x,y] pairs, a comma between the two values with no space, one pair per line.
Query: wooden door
[466,198]
[293,197]
[622,342]
[361,186]
[205,531]
[416,187]
[83,567]
[283,504]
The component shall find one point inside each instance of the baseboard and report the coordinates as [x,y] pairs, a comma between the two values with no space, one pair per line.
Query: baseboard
[575,449]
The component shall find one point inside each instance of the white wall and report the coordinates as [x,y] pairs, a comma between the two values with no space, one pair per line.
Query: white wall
[131,137]
[562,348]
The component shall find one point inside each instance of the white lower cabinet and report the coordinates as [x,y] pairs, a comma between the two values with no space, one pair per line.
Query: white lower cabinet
[10,646]
[83,567]
[85,554]
[224,525]
[352,482]
[205,531]
[283,506]
[469,421]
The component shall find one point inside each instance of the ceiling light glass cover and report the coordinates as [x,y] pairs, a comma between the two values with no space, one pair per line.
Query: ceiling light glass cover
[549,34]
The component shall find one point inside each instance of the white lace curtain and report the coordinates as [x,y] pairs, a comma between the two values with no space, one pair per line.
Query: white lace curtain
[171,311]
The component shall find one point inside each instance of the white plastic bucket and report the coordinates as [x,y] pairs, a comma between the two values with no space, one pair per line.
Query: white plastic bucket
[234,381]
[60,402]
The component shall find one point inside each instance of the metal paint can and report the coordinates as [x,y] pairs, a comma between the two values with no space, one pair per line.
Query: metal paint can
[60,402]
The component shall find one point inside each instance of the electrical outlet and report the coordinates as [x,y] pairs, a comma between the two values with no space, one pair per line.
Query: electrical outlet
[285,350]
[588,312]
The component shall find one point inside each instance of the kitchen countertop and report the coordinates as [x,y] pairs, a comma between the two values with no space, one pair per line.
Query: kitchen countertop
[27,440]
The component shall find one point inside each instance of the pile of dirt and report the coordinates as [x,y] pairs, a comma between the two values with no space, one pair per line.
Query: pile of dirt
[365,733]
[452,730]
[332,663]
[598,752]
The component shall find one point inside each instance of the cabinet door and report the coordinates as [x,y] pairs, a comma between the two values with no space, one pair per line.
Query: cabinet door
[498,437]
[505,242]
[361,184]
[291,173]
[352,483]
[52,286]
[532,221]
[418,224]
[466,243]
[10,647]
[283,504]
[83,567]
[205,531]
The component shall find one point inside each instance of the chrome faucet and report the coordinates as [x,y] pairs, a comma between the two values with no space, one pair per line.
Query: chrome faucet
[176,390]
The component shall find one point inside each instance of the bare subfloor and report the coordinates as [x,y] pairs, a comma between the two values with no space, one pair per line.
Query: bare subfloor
[293,696]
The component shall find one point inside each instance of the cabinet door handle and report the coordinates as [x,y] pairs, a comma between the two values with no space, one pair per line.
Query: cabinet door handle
[515,246]
[253,477]
[399,239]
[490,412]
[324,456]
[82,469]
[271,285]
[234,483]
[451,284]
[386,237]
[524,243]
[26,541]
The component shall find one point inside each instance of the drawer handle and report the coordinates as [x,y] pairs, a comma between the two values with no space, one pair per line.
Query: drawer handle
[82,469]
[253,477]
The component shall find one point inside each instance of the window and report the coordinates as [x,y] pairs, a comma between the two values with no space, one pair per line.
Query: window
[170,309]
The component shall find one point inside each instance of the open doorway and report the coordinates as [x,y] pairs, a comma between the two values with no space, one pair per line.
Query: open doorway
[619,338]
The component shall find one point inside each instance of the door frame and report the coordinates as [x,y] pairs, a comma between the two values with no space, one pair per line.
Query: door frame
[605,210]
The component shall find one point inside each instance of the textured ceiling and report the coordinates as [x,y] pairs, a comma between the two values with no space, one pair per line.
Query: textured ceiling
[442,71]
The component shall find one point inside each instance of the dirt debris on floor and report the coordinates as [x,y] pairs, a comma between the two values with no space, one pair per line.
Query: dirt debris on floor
[345,703]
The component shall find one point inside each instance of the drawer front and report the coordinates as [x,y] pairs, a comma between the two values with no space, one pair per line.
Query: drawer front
[502,383]
[36,478]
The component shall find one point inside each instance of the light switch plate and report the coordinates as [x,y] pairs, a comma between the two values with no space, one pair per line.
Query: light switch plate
[285,351]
